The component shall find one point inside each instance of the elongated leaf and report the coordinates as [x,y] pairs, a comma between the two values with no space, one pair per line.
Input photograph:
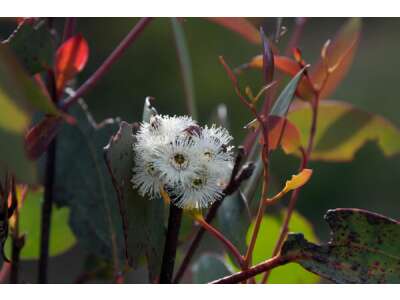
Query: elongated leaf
[343,129]
[208,268]
[145,218]
[340,52]
[234,220]
[15,117]
[267,236]
[82,183]
[241,26]
[282,104]
[298,180]
[364,248]
[61,236]
[71,58]
[32,44]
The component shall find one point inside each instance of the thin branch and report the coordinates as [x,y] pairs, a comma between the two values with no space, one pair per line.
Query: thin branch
[110,60]
[171,243]
[253,271]
[69,28]
[48,193]
[185,66]
[233,250]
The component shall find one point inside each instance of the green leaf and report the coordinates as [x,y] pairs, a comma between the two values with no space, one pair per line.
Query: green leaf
[267,237]
[234,220]
[208,268]
[145,218]
[282,104]
[61,237]
[343,129]
[33,46]
[364,248]
[82,183]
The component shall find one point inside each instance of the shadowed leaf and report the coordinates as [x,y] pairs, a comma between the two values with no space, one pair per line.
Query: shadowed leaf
[38,138]
[241,26]
[82,183]
[234,220]
[343,129]
[208,268]
[33,46]
[145,218]
[364,248]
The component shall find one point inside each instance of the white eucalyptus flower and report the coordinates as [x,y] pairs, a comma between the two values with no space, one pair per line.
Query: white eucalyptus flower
[193,163]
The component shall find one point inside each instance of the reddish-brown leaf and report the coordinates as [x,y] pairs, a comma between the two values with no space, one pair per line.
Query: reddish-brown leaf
[71,58]
[241,26]
[284,133]
[341,53]
[39,136]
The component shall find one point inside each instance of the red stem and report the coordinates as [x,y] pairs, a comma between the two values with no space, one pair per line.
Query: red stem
[110,60]
[253,271]
[223,239]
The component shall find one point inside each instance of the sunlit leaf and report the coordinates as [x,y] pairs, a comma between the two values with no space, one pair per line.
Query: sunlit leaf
[364,248]
[61,236]
[268,235]
[208,268]
[284,133]
[340,52]
[241,26]
[343,129]
[32,44]
[298,180]
[71,58]
[145,225]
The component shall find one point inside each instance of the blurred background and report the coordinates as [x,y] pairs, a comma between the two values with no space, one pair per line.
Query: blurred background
[150,68]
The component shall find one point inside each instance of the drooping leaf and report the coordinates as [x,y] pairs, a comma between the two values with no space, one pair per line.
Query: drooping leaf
[340,53]
[71,58]
[61,237]
[32,44]
[241,26]
[208,268]
[145,218]
[82,183]
[234,220]
[39,137]
[343,129]
[364,248]
[282,104]
[268,235]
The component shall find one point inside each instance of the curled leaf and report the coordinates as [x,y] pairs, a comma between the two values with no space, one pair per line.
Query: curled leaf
[297,180]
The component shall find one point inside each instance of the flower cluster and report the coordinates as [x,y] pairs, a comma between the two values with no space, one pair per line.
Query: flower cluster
[192,163]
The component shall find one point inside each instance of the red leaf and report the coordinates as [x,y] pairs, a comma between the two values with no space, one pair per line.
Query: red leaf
[71,58]
[38,138]
[241,26]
